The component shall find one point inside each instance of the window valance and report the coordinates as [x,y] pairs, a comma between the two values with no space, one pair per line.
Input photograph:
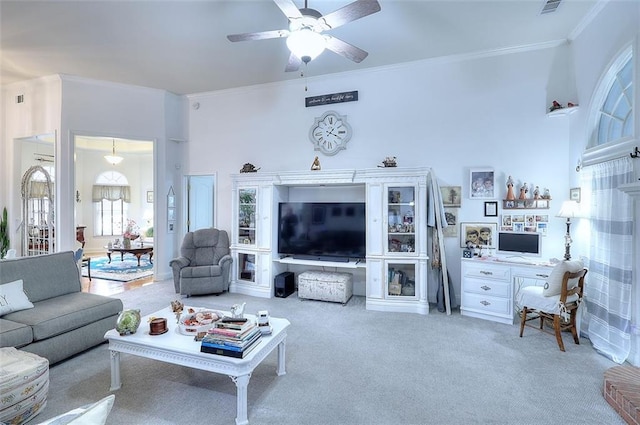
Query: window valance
[111,193]
[38,189]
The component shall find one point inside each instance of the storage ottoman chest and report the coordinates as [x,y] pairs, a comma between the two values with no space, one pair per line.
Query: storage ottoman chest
[24,385]
[325,286]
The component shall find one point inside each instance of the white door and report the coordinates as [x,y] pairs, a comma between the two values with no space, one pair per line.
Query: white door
[200,202]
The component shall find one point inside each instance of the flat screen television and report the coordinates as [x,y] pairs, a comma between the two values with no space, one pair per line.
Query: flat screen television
[329,231]
[520,243]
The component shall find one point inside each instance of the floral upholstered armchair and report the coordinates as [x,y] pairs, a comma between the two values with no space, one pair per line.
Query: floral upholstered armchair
[204,264]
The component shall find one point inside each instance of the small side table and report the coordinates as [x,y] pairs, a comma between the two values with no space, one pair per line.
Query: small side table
[87,261]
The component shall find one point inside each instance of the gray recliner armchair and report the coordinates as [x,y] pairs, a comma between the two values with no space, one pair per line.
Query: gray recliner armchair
[204,264]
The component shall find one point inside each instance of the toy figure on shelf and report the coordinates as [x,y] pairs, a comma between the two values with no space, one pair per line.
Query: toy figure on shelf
[555,105]
[546,194]
[536,193]
[523,191]
[510,195]
[316,164]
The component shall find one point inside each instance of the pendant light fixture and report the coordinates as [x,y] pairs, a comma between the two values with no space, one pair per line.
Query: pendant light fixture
[113,159]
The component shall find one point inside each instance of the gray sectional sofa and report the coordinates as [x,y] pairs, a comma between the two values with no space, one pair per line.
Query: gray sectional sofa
[64,320]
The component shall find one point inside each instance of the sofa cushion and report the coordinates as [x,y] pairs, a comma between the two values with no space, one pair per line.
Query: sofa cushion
[43,276]
[61,314]
[14,334]
[201,271]
[13,298]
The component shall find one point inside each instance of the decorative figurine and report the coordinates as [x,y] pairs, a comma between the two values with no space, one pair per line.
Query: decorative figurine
[316,164]
[523,191]
[128,322]
[237,310]
[177,307]
[389,161]
[555,105]
[536,193]
[248,168]
[510,195]
[546,194]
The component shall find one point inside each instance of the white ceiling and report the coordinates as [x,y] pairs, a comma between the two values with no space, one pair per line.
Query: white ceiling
[181,46]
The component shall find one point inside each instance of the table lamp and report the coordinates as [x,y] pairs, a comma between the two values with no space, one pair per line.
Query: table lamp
[569,210]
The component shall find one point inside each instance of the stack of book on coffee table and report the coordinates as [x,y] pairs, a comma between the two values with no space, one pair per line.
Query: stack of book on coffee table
[232,337]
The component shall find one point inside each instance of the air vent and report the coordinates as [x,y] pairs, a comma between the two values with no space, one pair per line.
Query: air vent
[550,6]
[20,98]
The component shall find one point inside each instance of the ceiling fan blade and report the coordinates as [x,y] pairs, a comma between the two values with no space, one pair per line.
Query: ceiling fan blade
[289,9]
[294,63]
[356,10]
[258,35]
[345,49]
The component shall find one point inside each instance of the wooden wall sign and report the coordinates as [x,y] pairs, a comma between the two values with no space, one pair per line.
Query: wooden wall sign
[326,99]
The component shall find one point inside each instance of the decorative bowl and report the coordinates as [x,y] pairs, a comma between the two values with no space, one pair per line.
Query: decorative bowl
[191,323]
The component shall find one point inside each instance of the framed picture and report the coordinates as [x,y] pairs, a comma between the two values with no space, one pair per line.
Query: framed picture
[171,214]
[481,183]
[451,195]
[171,227]
[451,215]
[171,198]
[478,234]
[491,209]
[150,196]
[574,194]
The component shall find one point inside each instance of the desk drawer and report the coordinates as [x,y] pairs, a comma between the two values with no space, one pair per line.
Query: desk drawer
[490,271]
[487,287]
[485,304]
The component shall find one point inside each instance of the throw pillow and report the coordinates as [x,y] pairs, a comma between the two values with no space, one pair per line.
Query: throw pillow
[92,414]
[554,282]
[13,298]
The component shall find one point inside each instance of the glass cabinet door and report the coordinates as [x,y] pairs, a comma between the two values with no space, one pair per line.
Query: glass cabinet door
[401,280]
[247,216]
[401,232]
[246,267]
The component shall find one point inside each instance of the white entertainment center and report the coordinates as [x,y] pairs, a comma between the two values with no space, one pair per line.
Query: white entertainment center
[392,277]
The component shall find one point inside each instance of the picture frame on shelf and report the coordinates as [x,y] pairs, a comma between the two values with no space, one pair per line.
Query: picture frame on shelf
[150,196]
[451,196]
[478,234]
[481,183]
[574,194]
[491,209]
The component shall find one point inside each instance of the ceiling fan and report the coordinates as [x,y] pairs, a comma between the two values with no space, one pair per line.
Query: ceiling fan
[305,36]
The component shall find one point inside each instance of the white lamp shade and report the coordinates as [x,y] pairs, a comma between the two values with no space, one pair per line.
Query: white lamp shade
[113,159]
[569,209]
[306,44]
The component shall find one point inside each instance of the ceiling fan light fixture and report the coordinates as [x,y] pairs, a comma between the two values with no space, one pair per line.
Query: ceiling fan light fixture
[306,44]
[113,159]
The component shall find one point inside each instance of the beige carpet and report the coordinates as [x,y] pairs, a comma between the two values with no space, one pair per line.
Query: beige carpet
[347,365]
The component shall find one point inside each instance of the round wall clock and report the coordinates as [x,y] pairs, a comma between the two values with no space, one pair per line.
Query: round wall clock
[330,133]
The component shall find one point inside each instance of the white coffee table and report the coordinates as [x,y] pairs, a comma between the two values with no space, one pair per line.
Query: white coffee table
[174,347]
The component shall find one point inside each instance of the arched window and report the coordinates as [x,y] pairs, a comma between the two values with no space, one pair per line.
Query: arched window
[111,197]
[615,121]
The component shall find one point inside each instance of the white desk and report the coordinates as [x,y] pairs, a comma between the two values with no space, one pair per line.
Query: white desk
[489,286]
[176,348]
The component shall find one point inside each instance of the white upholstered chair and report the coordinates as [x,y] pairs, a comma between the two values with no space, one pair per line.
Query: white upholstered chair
[557,302]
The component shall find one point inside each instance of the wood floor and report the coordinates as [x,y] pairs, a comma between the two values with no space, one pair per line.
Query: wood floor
[111,287]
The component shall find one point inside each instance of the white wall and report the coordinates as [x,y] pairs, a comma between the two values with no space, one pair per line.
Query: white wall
[72,106]
[451,115]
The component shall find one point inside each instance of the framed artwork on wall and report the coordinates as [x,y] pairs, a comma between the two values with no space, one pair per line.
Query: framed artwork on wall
[451,196]
[478,234]
[574,194]
[150,196]
[481,183]
[451,215]
[491,209]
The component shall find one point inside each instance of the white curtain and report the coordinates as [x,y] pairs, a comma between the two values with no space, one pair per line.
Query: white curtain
[609,280]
